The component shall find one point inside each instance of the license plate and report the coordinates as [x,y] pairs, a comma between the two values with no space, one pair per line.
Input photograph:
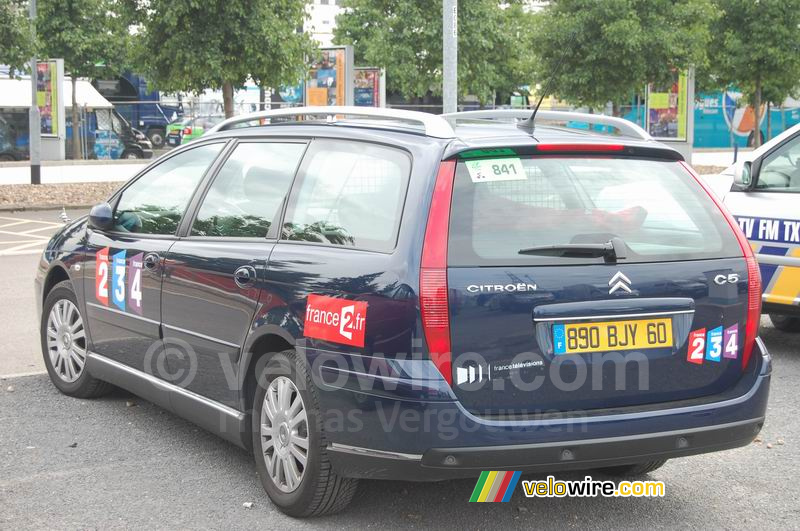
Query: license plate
[577,338]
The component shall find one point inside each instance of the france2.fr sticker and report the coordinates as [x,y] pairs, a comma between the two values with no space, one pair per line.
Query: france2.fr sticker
[731,342]
[336,320]
[101,276]
[135,283]
[697,346]
[714,344]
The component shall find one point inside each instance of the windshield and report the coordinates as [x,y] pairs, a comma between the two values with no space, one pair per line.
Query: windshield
[503,206]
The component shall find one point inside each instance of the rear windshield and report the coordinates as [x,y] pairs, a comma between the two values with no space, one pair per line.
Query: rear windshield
[501,206]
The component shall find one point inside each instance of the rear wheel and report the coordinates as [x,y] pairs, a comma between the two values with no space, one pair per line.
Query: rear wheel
[64,345]
[156,136]
[637,469]
[132,154]
[289,445]
[785,323]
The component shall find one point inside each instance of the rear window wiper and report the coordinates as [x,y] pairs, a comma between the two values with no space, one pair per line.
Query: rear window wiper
[612,250]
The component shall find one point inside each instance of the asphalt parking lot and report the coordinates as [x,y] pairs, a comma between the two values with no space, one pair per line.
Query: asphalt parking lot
[121,462]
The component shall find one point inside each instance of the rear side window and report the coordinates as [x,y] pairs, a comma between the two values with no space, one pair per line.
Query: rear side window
[655,207]
[349,194]
[248,191]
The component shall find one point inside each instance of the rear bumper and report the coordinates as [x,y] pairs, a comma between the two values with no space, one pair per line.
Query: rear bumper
[382,438]
[450,463]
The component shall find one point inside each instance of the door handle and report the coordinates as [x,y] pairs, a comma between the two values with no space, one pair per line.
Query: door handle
[151,261]
[244,276]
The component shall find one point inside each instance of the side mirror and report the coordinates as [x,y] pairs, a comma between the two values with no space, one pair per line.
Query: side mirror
[744,178]
[101,217]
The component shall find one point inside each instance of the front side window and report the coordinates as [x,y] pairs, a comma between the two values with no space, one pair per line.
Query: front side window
[247,194]
[350,194]
[156,201]
[655,207]
[780,170]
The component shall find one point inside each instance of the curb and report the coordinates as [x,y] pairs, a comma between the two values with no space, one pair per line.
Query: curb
[23,208]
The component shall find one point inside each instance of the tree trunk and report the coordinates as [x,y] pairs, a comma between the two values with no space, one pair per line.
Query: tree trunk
[262,97]
[227,98]
[757,115]
[769,121]
[76,126]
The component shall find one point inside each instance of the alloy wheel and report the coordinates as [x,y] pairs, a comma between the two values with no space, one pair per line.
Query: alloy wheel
[284,434]
[66,340]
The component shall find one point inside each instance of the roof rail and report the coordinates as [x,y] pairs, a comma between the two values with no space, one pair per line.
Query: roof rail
[434,125]
[625,127]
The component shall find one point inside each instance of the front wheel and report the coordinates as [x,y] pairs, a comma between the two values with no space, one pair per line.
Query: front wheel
[156,137]
[289,445]
[64,345]
[132,154]
[785,323]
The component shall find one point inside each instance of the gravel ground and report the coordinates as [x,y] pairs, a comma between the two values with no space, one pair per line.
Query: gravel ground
[55,195]
[705,170]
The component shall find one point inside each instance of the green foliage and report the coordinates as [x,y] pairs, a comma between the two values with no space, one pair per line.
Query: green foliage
[612,48]
[756,44]
[405,38]
[90,35]
[192,45]
[16,45]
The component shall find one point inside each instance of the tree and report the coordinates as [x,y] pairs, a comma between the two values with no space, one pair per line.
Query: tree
[612,48]
[405,38]
[190,45]
[756,47]
[91,37]
[16,42]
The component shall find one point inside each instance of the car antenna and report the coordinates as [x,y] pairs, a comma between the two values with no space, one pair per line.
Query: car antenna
[529,125]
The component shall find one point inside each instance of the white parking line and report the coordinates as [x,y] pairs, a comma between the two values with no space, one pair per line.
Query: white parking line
[23,248]
[30,221]
[24,234]
[22,222]
[21,374]
[38,229]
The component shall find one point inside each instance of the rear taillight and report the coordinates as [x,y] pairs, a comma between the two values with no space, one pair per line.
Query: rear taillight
[187,130]
[433,301]
[753,274]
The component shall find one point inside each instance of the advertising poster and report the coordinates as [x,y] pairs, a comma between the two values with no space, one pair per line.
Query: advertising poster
[47,96]
[368,87]
[329,77]
[667,109]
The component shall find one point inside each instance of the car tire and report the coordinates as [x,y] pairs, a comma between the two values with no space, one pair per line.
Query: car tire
[64,345]
[132,154]
[634,470]
[157,137]
[785,323]
[319,490]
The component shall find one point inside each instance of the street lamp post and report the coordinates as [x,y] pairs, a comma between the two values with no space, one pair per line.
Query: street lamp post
[35,125]
[450,55]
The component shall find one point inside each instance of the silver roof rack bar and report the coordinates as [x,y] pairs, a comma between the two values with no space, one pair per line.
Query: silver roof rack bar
[434,125]
[625,127]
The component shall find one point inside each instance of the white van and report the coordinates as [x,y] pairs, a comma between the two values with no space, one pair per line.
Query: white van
[765,199]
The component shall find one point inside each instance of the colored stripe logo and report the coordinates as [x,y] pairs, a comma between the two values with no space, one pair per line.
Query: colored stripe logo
[495,486]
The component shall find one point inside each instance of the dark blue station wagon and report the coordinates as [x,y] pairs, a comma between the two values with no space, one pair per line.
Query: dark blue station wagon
[360,293]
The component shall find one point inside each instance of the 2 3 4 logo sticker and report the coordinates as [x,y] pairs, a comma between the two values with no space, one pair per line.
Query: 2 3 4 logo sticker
[118,280]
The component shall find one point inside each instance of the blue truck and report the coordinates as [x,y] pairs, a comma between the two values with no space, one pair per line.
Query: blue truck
[140,106]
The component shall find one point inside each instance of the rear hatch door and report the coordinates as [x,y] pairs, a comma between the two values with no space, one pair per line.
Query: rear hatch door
[586,281]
